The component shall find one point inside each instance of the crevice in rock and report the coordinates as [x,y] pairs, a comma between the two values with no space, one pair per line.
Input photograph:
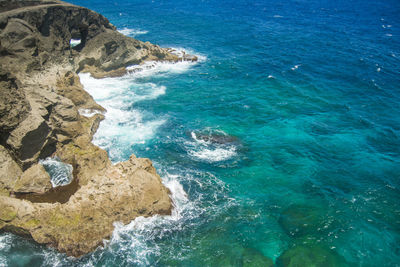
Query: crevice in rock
[60,194]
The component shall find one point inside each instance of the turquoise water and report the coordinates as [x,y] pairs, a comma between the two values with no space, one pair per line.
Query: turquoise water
[283,138]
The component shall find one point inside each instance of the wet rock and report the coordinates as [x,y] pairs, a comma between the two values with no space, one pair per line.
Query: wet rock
[254,258]
[33,180]
[300,220]
[70,86]
[122,193]
[215,137]
[40,94]
[315,256]
[27,140]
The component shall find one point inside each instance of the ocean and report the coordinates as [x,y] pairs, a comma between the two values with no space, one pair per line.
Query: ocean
[281,144]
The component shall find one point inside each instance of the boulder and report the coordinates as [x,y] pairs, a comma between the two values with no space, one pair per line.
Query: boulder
[33,180]
[124,192]
[9,171]
[27,140]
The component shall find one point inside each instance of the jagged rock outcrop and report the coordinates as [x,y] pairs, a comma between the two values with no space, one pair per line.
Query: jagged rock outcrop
[40,102]
[33,180]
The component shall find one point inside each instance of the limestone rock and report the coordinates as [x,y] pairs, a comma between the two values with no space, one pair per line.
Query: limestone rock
[33,180]
[29,137]
[13,105]
[70,86]
[40,99]
[125,191]
[9,171]
[110,52]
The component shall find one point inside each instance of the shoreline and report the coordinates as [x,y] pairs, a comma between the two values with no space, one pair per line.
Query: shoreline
[48,123]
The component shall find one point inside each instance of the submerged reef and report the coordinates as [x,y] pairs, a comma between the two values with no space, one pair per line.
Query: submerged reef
[40,99]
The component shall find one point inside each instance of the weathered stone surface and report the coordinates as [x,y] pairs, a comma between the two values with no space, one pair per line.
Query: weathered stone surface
[13,105]
[125,191]
[40,96]
[33,180]
[9,171]
[70,86]
[29,137]
[109,53]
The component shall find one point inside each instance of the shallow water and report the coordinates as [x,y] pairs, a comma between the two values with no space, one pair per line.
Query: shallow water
[306,97]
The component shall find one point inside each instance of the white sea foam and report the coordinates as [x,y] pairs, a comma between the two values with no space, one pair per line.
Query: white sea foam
[206,150]
[151,68]
[5,241]
[5,245]
[137,242]
[132,32]
[213,155]
[136,236]
[74,42]
[89,112]
[295,67]
[125,125]
[60,172]
[180,51]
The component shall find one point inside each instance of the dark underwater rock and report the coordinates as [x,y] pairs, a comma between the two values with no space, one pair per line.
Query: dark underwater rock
[254,258]
[310,256]
[299,220]
[215,137]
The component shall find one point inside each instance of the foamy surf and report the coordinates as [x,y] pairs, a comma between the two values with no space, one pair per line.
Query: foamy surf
[60,172]
[89,112]
[209,150]
[142,240]
[132,32]
[162,68]
[124,125]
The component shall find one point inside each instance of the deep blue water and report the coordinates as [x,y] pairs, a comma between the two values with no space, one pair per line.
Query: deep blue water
[284,136]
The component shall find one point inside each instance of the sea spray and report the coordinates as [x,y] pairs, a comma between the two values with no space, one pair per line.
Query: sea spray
[60,172]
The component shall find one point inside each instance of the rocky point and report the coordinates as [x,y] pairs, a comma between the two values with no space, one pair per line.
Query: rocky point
[40,99]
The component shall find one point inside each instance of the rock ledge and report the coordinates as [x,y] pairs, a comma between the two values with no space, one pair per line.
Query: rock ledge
[40,96]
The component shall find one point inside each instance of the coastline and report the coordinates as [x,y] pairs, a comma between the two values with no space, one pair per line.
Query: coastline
[42,68]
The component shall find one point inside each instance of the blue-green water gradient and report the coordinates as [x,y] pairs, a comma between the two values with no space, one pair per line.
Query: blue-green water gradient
[306,97]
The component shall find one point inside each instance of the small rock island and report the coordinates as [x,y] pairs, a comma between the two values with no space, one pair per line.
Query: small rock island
[40,102]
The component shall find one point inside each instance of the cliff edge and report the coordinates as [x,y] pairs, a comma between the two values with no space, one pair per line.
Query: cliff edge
[40,99]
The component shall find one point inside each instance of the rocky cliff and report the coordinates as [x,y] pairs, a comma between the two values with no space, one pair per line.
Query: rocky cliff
[40,99]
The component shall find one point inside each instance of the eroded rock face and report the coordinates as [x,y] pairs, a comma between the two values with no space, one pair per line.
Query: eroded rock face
[40,99]
[127,190]
[33,180]
[13,104]
[9,171]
